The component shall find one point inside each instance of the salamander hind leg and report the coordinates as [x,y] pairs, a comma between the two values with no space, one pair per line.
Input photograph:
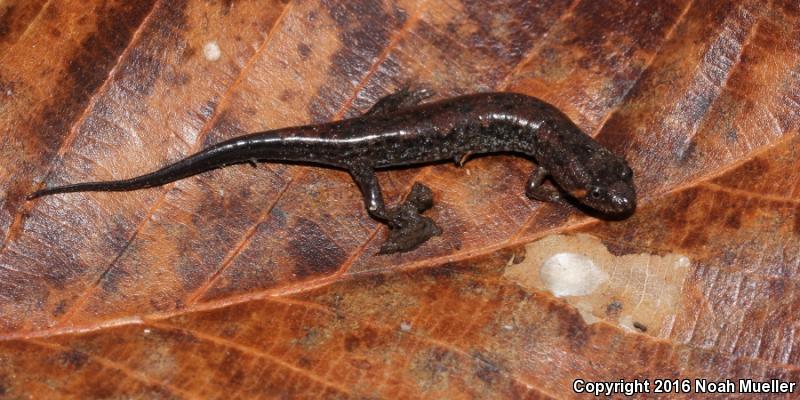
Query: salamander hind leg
[364,176]
[403,98]
[408,228]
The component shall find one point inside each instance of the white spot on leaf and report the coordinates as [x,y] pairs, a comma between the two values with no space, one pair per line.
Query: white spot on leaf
[211,51]
[570,274]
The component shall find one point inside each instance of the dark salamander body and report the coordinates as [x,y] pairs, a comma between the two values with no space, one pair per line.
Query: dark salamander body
[398,131]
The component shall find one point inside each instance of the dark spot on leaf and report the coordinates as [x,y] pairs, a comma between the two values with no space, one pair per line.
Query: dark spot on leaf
[351,343]
[364,339]
[521,23]
[754,168]
[438,364]
[313,251]
[5,22]
[686,151]
[237,378]
[304,50]
[677,213]
[74,359]
[176,78]
[226,126]
[369,338]
[364,28]
[376,280]
[6,88]
[613,309]
[475,286]
[305,362]
[574,327]
[776,289]
[734,219]
[52,11]
[207,109]
[226,6]
[446,271]
[181,337]
[640,326]
[59,274]
[519,255]
[110,280]
[485,369]
[278,217]
[14,197]
[286,95]
[143,67]
[732,136]
[16,17]
[116,231]
[619,248]
[188,52]
[160,303]
[97,54]
[60,308]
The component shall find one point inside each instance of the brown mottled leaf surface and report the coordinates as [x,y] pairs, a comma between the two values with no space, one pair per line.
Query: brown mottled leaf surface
[264,282]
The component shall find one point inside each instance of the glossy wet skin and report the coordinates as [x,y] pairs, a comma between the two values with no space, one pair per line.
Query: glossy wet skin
[399,131]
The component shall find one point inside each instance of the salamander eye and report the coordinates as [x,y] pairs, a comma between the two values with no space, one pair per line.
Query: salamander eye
[595,193]
[627,173]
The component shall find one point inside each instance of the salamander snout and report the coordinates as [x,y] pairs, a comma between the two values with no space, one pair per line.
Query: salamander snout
[615,200]
[622,198]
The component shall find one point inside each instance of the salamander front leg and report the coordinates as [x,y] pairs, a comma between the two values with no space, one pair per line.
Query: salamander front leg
[407,227]
[535,188]
[403,98]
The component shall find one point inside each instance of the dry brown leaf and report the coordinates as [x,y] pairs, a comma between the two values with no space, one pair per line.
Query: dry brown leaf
[264,282]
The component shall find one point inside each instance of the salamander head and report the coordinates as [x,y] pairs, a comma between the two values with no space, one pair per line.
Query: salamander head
[610,190]
[580,166]
[601,181]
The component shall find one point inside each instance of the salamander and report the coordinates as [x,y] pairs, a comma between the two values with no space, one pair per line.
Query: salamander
[403,129]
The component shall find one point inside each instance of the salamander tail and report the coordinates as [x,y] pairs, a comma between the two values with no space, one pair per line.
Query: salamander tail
[78,187]
[206,160]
